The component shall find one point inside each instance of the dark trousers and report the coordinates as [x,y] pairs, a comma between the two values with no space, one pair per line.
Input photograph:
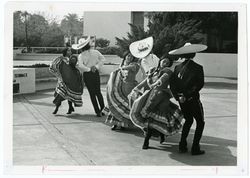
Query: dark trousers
[192,109]
[92,82]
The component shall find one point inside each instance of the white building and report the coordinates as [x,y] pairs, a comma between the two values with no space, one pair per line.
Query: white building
[109,25]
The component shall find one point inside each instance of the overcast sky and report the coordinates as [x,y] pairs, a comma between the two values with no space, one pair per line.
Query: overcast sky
[56,14]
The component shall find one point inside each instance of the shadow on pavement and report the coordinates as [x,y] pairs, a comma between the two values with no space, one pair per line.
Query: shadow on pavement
[85,117]
[38,95]
[41,103]
[221,85]
[217,153]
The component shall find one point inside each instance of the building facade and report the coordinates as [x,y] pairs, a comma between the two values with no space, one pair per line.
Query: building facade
[109,25]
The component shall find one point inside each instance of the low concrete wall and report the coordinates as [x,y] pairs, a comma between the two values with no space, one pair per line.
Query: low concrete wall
[23,80]
[46,80]
[218,65]
[43,72]
[49,57]
[35,57]
[107,69]
[214,64]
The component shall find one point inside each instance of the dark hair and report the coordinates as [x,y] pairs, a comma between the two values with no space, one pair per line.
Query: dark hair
[64,51]
[73,64]
[85,48]
[124,57]
[67,44]
[170,62]
[188,56]
[134,59]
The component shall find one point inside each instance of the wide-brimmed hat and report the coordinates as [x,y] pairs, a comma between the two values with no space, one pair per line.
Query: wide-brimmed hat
[81,43]
[188,48]
[142,48]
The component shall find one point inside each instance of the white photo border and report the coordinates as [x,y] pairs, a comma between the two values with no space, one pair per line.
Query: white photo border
[242,103]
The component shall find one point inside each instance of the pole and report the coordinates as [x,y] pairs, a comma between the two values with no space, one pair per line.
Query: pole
[26,30]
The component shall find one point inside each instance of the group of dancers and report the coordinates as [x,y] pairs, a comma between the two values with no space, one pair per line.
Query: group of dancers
[140,92]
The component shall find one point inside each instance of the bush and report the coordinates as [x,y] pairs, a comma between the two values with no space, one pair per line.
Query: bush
[33,66]
[50,51]
[102,43]
[111,50]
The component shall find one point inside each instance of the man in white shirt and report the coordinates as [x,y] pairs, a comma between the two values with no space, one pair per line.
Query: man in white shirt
[89,62]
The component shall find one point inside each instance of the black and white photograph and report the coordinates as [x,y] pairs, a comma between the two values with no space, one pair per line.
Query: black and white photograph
[137,86]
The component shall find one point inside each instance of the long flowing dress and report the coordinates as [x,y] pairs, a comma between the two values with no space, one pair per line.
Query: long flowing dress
[153,108]
[118,88]
[69,86]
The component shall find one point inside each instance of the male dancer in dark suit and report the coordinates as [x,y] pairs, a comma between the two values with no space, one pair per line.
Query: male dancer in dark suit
[186,82]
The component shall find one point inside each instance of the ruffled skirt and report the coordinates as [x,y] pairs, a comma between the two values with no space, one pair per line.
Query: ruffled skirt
[118,109]
[168,121]
[70,82]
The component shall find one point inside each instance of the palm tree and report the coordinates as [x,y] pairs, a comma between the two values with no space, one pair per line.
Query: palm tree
[71,25]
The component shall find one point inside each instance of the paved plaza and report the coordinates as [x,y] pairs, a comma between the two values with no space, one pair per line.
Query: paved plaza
[41,138]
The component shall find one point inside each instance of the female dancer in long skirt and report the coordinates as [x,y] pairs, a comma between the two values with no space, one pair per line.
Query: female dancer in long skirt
[120,84]
[69,86]
[152,110]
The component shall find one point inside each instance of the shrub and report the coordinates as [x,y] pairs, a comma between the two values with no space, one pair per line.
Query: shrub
[33,66]
[102,43]
[110,50]
[166,36]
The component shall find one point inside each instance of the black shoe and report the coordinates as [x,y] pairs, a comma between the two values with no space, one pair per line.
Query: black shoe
[145,145]
[70,110]
[113,127]
[183,150]
[55,111]
[162,139]
[183,147]
[122,128]
[99,115]
[197,152]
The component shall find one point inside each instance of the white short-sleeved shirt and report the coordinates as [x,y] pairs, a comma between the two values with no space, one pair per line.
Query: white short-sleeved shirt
[90,58]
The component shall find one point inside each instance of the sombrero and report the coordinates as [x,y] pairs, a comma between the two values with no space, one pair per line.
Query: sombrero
[142,48]
[81,43]
[188,48]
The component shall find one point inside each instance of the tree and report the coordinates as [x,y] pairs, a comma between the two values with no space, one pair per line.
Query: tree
[171,30]
[214,25]
[102,43]
[54,36]
[19,29]
[37,26]
[136,33]
[28,29]
[71,25]
[168,30]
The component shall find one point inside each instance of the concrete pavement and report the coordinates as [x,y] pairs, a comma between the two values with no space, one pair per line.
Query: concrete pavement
[41,138]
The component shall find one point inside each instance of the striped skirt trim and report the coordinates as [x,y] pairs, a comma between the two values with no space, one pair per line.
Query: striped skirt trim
[111,120]
[117,101]
[61,88]
[64,91]
[167,123]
